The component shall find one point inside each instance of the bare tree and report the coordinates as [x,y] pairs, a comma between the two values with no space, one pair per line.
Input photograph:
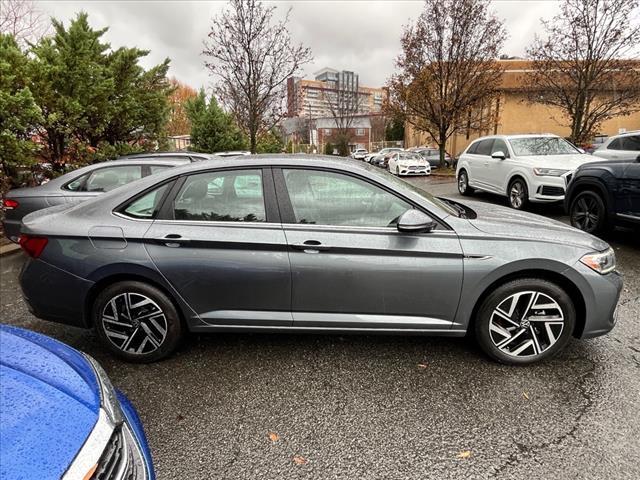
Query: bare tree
[23,20]
[447,72]
[584,65]
[344,102]
[252,56]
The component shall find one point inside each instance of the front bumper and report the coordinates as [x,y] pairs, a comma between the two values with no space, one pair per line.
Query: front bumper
[546,189]
[601,294]
[415,170]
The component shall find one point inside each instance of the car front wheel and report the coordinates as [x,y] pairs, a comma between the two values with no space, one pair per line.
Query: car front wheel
[525,321]
[518,194]
[588,212]
[136,321]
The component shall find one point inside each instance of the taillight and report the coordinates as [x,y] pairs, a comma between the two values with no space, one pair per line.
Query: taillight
[32,245]
[10,204]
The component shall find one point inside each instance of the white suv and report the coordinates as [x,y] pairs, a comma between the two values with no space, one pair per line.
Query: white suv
[524,168]
[359,153]
[625,146]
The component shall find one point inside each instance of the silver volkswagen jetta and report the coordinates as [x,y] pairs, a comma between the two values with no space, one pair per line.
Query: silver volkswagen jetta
[312,244]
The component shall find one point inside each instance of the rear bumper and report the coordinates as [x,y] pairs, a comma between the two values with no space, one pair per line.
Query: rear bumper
[53,294]
[11,229]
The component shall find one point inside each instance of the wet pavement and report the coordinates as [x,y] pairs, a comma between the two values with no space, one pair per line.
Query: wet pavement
[367,407]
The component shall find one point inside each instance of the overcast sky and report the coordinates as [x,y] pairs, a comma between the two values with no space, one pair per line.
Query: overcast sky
[363,36]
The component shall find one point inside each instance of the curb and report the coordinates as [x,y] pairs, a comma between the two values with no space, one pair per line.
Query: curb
[9,249]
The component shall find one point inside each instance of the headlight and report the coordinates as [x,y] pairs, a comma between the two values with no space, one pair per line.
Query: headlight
[108,398]
[549,172]
[601,262]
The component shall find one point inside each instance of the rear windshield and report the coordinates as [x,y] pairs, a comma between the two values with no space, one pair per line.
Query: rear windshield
[528,146]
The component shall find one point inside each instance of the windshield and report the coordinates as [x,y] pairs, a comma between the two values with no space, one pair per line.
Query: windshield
[528,146]
[409,156]
[423,193]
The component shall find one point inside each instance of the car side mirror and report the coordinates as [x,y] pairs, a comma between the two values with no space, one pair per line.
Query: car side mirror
[499,155]
[414,221]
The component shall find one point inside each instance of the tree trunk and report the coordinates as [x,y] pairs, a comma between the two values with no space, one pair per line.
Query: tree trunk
[442,145]
[253,136]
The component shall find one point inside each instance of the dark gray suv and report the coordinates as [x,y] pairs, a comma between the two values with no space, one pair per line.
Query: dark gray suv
[301,244]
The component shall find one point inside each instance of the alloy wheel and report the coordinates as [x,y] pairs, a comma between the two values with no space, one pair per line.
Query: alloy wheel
[526,324]
[586,213]
[134,323]
[462,182]
[516,195]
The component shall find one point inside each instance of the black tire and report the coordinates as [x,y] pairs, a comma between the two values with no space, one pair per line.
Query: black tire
[588,212]
[518,194]
[156,335]
[542,346]
[463,183]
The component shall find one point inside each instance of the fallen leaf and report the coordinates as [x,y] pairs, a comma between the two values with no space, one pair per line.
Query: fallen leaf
[299,460]
[525,395]
[422,365]
[274,437]
[464,454]
[179,418]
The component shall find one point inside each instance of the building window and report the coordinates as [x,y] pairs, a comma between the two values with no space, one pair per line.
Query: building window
[327,131]
[360,132]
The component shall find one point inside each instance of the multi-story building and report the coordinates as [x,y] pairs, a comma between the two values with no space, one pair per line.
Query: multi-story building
[320,97]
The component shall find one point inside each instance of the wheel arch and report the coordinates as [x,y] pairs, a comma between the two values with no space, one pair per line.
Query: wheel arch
[514,176]
[593,184]
[110,276]
[552,276]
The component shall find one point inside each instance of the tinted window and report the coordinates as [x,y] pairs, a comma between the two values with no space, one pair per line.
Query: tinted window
[484,147]
[631,143]
[106,179]
[326,198]
[228,196]
[615,144]
[473,147]
[148,205]
[499,146]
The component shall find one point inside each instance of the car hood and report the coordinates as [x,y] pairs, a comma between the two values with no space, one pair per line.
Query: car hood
[567,162]
[507,222]
[50,403]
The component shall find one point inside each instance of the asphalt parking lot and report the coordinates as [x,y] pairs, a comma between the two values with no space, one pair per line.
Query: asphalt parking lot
[367,407]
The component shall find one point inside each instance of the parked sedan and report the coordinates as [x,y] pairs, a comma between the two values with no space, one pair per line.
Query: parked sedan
[85,183]
[61,417]
[408,163]
[378,157]
[602,195]
[432,155]
[304,244]
[523,168]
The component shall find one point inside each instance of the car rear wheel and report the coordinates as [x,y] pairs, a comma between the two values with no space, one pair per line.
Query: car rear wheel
[463,183]
[518,194]
[588,212]
[525,321]
[137,321]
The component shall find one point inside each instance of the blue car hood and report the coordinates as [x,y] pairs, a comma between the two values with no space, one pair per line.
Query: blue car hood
[49,403]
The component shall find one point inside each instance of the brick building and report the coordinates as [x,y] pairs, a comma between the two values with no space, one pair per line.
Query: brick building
[512,114]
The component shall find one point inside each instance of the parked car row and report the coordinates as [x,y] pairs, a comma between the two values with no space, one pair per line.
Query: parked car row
[546,169]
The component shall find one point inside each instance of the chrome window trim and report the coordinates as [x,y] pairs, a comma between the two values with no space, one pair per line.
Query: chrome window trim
[92,449]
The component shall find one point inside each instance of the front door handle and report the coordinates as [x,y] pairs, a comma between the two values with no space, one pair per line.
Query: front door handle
[173,240]
[311,246]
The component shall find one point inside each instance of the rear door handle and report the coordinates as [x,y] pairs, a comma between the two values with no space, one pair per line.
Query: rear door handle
[173,240]
[311,246]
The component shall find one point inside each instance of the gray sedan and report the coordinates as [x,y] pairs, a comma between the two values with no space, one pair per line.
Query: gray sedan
[85,183]
[301,244]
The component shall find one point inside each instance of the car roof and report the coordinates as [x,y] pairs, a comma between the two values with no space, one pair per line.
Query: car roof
[625,134]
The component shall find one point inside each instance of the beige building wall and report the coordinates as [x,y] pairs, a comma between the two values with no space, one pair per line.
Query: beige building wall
[517,115]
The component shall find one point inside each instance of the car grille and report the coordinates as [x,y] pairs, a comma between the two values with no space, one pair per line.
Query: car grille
[116,461]
[552,191]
